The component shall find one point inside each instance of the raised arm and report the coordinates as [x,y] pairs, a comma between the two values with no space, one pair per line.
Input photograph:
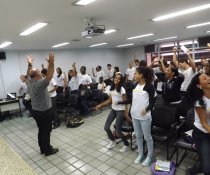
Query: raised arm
[152,63]
[50,69]
[192,63]
[30,64]
[93,72]
[175,61]
[74,70]
[208,44]
[162,65]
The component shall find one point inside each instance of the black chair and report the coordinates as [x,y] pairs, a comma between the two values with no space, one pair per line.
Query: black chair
[127,128]
[94,100]
[66,106]
[182,142]
[163,126]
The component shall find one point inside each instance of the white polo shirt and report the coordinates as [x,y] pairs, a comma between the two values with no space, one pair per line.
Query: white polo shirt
[188,75]
[130,72]
[117,97]
[140,102]
[197,122]
[84,79]
[51,85]
[59,80]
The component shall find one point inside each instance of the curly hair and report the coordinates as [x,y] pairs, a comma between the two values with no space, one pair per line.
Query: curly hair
[118,88]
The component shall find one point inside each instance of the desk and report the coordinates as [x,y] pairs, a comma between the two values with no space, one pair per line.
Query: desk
[10,105]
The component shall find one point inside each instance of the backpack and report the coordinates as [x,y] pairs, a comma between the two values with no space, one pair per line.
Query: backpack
[74,122]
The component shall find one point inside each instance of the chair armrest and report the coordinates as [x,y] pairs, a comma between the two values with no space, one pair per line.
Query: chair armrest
[176,129]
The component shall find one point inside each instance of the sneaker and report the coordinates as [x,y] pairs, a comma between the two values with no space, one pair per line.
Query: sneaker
[147,162]
[111,145]
[139,159]
[53,151]
[124,149]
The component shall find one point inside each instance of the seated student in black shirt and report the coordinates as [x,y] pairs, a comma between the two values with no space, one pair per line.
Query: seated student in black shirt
[171,84]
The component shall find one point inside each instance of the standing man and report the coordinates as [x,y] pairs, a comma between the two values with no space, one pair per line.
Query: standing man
[41,103]
[130,72]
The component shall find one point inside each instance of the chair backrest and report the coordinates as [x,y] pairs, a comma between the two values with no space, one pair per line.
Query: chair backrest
[159,100]
[96,94]
[72,99]
[190,118]
[163,116]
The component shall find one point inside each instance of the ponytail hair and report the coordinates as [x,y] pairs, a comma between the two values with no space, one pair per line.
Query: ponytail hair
[194,93]
[147,73]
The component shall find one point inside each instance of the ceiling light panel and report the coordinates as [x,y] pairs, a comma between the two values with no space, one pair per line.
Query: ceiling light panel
[141,36]
[182,12]
[34,28]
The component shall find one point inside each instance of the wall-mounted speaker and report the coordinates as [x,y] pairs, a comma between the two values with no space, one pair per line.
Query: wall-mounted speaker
[2,55]
[149,48]
[203,41]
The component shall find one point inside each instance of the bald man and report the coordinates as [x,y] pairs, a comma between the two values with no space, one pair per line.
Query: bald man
[41,103]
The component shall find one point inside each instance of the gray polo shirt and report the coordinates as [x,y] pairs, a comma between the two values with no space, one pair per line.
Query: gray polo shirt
[40,98]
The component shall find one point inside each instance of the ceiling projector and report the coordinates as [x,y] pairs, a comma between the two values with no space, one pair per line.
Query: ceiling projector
[94,30]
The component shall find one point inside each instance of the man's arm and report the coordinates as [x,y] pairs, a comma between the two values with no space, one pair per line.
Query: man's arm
[192,63]
[30,64]
[93,72]
[152,63]
[175,61]
[162,65]
[50,69]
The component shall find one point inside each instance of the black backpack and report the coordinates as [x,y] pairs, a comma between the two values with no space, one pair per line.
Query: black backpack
[74,122]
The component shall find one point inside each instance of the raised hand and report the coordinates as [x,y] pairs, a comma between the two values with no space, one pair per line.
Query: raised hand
[29,60]
[208,44]
[51,58]
[174,49]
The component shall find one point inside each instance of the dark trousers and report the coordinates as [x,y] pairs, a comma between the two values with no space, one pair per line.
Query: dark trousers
[83,105]
[44,122]
[54,111]
[27,104]
[202,143]
[119,115]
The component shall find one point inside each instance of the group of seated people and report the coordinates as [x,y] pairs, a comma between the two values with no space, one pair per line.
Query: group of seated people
[180,83]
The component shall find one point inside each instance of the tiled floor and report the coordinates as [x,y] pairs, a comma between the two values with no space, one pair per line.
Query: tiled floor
[82,149]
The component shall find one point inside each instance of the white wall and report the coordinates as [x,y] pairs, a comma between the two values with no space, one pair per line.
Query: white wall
[129,53]
[15,63]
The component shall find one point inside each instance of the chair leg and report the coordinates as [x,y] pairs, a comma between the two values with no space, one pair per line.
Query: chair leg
[178,162]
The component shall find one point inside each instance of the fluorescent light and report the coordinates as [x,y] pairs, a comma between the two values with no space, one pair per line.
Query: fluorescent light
[198,25]
[182,12]
[125,45]
[208,31]
[61,44]
[5,44]
[95,45]
[141,36]
[109,31]
[172,37]
[188,42]
[84,2]
[33,28]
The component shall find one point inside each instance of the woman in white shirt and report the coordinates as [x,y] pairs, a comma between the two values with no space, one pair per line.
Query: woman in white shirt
[74,82]
[199,93]
[142,103]
[60,79]
[118,112]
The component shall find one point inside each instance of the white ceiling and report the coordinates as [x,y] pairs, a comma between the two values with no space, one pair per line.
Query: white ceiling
[66,22]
